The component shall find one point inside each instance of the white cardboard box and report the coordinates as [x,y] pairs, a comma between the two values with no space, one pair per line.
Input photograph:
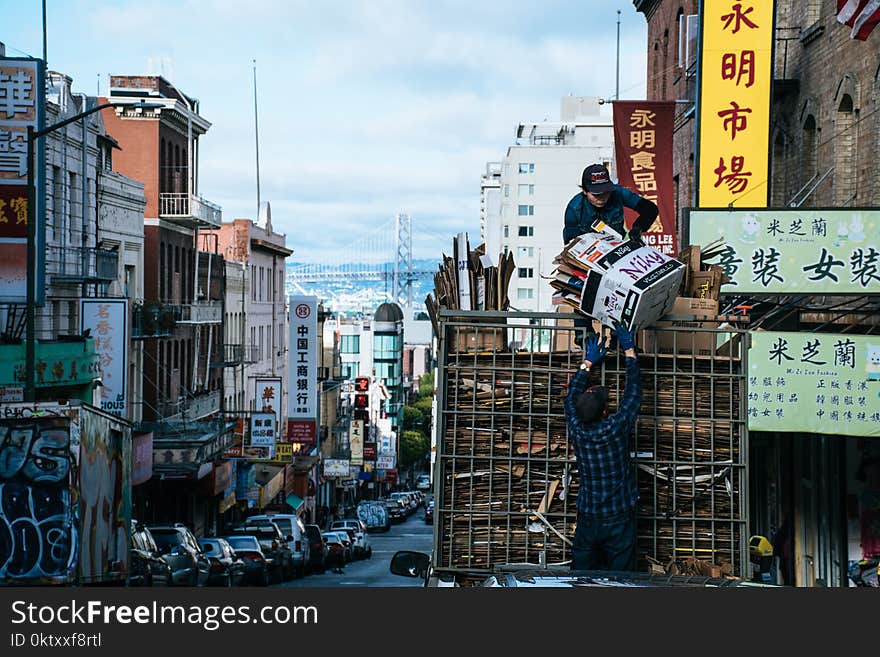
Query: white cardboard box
[630,283]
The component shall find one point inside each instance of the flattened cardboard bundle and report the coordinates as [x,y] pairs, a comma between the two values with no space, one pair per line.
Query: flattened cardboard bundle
[695,342]
[469,281]
[610,280]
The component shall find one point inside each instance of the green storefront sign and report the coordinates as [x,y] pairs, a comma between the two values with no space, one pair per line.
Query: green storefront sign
[814,383]
[790,250]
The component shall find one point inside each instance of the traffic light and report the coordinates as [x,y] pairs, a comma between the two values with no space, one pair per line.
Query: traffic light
[362,384]
[361,401]
[361,414]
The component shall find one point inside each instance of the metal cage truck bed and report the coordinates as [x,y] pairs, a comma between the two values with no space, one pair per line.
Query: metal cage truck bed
[506,474]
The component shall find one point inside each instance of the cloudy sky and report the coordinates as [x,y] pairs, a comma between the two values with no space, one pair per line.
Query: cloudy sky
[366,109]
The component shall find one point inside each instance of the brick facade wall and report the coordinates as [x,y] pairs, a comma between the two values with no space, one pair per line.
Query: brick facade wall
[825,111]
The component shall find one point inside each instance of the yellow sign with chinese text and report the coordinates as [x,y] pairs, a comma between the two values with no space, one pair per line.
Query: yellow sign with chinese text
[736,72]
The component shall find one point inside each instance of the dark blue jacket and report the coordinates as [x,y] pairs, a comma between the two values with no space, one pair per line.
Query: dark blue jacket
[580,214]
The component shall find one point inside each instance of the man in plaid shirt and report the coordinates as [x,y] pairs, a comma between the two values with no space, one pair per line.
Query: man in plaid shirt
[607,495]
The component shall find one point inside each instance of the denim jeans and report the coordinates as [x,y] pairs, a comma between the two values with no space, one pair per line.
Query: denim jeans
[605,543]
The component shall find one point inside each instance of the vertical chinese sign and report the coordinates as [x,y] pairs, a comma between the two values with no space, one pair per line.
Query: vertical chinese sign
[815,383]
[107,320]
[643,152]
[356,441]
[21,105]
[267,393]
[736,46]
[302,367]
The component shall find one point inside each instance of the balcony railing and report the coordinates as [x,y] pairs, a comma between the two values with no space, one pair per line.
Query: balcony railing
[190,407]
[193,211]
[79,264]
[237,354]
[153,321]
[201,312]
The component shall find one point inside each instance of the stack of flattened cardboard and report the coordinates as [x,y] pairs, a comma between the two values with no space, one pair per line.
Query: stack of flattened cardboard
[608,279]
[469,281]
[696,307]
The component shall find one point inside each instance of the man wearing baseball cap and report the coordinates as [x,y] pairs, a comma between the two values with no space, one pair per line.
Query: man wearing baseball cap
[603,200]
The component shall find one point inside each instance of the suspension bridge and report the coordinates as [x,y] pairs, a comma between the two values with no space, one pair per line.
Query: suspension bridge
[384,254]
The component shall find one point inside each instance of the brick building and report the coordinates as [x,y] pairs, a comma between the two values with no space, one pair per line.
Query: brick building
[182,311]
[807,491]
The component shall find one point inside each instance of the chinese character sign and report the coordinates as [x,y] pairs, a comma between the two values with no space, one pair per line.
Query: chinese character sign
[356,441]
[267,395]
[794,250]
[262,430]
[21,105]
[815,383]
[736,64]
[106,319]
[643,151]
[302,398]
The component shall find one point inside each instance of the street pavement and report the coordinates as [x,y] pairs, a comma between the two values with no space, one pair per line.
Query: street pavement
[413,534]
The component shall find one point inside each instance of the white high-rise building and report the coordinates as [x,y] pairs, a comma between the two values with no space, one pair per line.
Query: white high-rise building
[538,177]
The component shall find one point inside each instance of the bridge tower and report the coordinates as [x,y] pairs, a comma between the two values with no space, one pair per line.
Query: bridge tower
[403,267]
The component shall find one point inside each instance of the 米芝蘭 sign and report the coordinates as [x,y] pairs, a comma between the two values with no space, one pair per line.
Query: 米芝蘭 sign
[736,66]
[793,250]
[814,383]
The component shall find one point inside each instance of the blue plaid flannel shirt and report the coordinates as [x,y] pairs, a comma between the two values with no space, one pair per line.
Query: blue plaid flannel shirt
[607,485]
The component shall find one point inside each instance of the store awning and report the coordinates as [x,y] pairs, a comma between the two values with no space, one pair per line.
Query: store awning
[294,501]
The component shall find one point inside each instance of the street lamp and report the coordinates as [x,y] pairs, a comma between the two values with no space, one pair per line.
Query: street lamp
[30,391]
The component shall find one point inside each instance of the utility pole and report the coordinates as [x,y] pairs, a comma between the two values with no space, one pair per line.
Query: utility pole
[617,87]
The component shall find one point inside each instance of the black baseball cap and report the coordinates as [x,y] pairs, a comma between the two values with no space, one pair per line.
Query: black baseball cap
[596,179]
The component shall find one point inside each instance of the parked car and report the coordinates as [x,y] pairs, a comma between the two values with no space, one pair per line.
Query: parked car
[291,527]
[362,546]
[256,566]
[395,510]
[278,554]
[374,515]
[318,549]
[336,550]
[429,513]
[227,569]
[423,482]
[148,568]
[408,500]
[180,550]
[346,541]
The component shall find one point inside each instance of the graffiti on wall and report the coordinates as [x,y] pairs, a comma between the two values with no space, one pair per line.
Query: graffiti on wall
[37,520]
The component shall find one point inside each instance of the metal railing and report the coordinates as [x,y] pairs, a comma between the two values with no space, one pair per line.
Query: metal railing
[153,320]
[189,407]
[196,209]
[504,455]
[201,312]
[237,354]
[81,264]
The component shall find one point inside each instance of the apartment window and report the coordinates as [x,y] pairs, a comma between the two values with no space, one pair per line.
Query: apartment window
[526,210]
[350,370]
[349,344]
[526,190]
[526,231]
[526,272]
[525,293]
[506,191]
[506,230]
[525,252]
[506,168]
[526,167]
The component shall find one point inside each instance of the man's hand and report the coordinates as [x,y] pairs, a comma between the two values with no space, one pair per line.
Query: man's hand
[624,336]
[594,351]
